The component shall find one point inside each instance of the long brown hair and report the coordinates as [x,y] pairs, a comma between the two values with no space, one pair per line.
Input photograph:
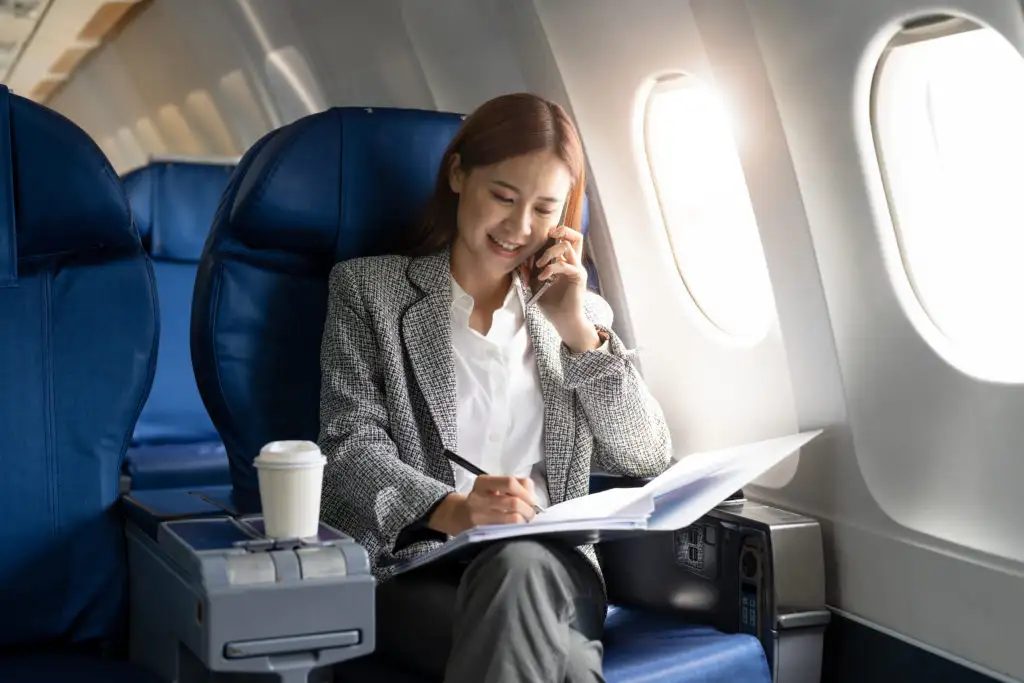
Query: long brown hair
[502,128]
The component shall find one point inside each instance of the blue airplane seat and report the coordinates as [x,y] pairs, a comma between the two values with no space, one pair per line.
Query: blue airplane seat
[78,337]
[335,185]
[175,444]
[261,290]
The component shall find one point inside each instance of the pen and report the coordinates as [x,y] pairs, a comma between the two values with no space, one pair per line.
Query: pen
[465,464]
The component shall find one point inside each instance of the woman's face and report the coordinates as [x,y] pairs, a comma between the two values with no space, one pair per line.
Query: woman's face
[506,210]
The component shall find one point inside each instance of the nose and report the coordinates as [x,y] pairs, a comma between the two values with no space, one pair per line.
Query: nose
[521,220]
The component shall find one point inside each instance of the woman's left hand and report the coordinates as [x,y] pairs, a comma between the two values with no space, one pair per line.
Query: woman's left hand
[562,303]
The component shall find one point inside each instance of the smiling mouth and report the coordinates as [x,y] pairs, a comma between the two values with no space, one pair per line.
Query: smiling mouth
[506,246]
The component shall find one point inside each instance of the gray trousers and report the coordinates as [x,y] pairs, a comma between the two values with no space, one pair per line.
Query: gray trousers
[522,611]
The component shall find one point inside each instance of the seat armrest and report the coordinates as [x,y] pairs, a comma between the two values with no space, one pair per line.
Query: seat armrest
[211,594]
[744,567]
[147,509]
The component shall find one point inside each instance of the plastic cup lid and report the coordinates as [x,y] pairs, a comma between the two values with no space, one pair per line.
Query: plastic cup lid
[278,454]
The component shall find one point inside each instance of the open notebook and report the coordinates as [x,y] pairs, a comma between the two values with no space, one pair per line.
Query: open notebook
[675,499]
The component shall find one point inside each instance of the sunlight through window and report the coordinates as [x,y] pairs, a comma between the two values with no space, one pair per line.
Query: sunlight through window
[706,207]
[949,126]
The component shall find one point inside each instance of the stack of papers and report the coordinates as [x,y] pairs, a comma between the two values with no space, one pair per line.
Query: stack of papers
[675,499]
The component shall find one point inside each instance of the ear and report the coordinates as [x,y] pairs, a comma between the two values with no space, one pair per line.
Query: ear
[456,176]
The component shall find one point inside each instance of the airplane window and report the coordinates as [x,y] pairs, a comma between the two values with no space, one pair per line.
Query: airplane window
[706,208]
[948,121]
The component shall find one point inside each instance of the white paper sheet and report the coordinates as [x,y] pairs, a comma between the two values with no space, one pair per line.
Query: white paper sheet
[690,498]
[675,499]
[620,502]
[748,457]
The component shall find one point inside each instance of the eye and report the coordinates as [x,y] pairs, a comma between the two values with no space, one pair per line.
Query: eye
[543,211]
[502,199]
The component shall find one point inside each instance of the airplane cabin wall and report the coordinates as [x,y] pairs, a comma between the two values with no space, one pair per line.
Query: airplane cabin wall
[915,482]
[936,446]
[715,390]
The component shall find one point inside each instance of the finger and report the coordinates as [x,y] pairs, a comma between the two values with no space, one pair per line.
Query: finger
[501,492]
[564,232]
[531,489]
[573,258]
[485,517]
[511,505]
[562,268]
[522,489]
[510,518]
[497,484]
[574,237]
[561,248]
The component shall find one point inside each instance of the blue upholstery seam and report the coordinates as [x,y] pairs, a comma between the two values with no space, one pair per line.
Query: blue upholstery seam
[47,256]
[108,170]
[227,199]
[341,185]
[223,213]
[8,190]
[152,210]
[150,371]
[51,430]
[215,299]
[275,167]
[252,256]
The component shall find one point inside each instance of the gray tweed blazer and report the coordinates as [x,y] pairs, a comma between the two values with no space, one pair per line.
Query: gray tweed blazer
[388,404]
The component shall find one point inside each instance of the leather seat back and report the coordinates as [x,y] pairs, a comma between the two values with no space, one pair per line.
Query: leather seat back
[78,337]
[174,203]
[343,183]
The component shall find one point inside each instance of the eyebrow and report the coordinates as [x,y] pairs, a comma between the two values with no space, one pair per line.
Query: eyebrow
[518,191]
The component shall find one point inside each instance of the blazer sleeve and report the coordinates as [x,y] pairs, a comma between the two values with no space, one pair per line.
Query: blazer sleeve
[630,433]
[366,485]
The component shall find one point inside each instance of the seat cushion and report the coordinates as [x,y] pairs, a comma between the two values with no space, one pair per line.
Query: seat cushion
[652,648]
[170,466]
[46,667]
[174,411]
[639,648]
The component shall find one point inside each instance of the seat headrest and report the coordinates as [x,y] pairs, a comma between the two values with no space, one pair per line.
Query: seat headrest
[63,197]
[173,203]
[341,183]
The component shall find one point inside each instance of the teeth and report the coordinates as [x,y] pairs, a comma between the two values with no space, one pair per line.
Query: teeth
[505,245]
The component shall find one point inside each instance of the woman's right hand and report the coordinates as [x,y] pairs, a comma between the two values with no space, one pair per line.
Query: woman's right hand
[493,500]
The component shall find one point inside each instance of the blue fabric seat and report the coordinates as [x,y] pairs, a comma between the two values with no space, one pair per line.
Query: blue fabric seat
[175,444]
[60,667]
[332,186]
[78,334]
[653,648]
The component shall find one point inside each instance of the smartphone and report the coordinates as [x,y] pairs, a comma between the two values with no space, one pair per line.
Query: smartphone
[536,286]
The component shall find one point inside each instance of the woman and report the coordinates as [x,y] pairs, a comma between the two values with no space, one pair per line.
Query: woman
[439,350]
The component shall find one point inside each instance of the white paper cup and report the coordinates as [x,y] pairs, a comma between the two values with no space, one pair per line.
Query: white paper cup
[290,474]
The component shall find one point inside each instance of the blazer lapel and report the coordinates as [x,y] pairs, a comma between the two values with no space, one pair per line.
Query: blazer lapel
[559,434]
[429,344]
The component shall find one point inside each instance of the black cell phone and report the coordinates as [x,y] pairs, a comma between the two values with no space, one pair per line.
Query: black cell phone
[537,268]
[536,285]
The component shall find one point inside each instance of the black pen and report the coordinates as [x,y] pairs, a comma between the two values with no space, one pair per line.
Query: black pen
[473,469]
